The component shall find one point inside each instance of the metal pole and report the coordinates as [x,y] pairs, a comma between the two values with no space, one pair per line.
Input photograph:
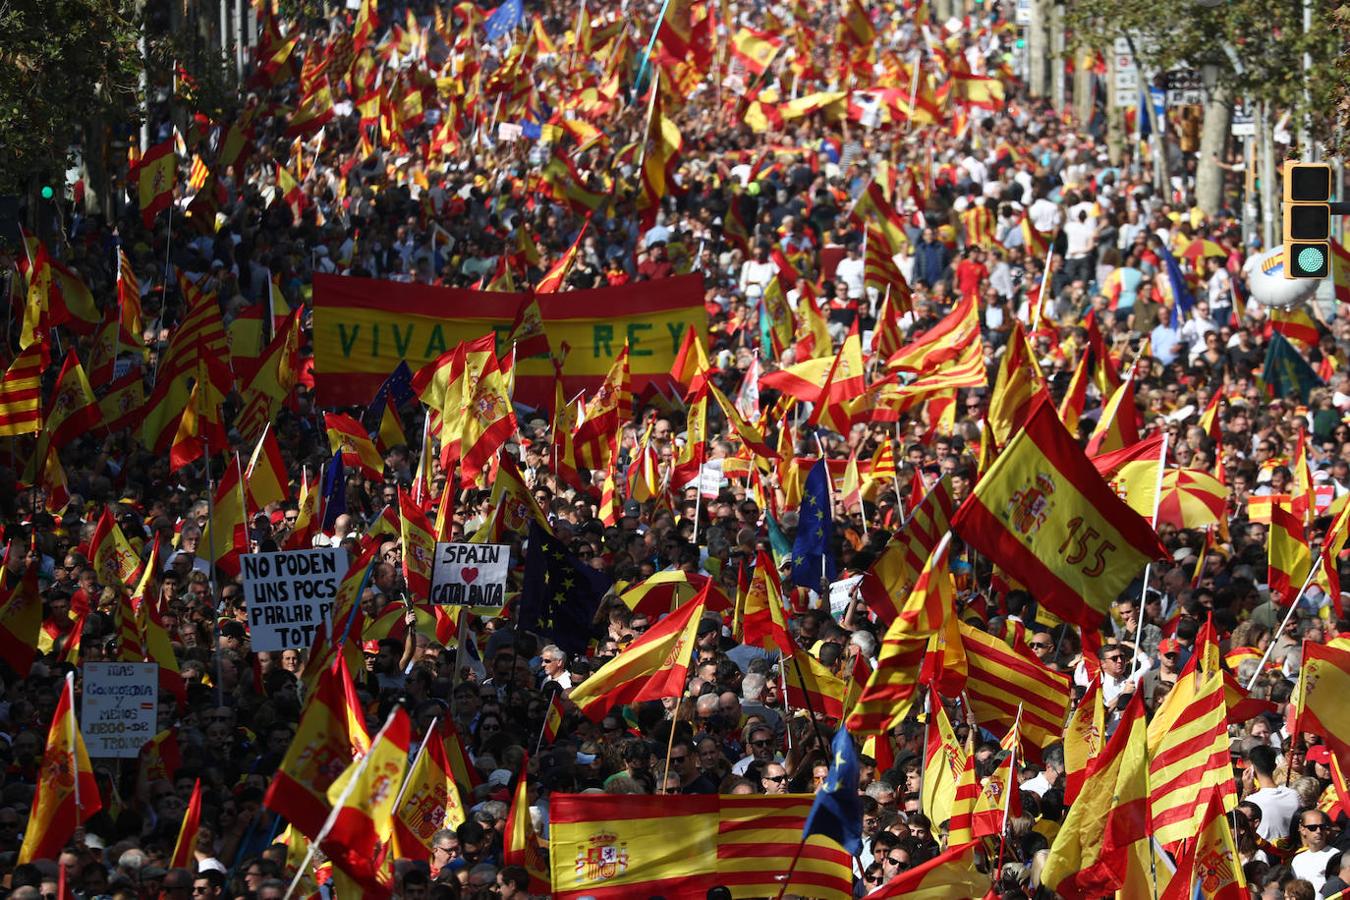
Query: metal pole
[1268,205]
[1293,605]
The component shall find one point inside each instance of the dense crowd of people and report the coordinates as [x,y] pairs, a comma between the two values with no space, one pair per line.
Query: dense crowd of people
[390,209]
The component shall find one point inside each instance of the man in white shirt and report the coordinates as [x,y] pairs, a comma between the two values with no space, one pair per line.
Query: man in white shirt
[553,661]
[1278,803]
[1310,863]
[849,272]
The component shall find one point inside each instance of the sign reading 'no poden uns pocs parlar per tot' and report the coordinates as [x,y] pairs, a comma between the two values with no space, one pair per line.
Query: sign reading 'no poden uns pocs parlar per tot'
[288,594]
[470,574]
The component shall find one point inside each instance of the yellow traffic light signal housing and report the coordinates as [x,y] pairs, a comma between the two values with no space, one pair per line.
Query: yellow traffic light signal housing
[1307,220]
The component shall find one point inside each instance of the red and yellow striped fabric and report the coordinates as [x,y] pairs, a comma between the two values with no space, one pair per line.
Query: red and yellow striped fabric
[950,874]
[894,683]
[944,341]
[1259,507]
[979,222]
[756,839]
[1188,753]
[1323,686]
[1001,679]
[21,392]
[899,564]
[1288,554]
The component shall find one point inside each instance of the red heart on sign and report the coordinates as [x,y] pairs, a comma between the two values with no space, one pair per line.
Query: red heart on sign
[468,574]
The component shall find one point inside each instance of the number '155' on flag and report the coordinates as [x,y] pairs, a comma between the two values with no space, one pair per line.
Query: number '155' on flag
[1043,514]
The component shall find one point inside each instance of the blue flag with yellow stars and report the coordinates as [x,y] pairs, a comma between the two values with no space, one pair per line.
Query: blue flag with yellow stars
[837,810]
[1286,373]
[811,558]
[560,594]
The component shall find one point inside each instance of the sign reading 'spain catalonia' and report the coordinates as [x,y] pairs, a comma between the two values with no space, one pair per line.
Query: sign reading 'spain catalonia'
[364,327]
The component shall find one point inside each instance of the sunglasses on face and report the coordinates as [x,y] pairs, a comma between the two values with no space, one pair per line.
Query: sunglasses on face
[760,743]
[1319,826]
[776,779]
[678,760]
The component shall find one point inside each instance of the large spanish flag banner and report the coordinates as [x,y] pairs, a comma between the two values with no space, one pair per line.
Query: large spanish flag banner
[364,327]
[1324,683]
[679,846]
[1044,515]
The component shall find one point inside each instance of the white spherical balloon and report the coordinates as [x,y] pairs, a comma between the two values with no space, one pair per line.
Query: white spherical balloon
[1265,279]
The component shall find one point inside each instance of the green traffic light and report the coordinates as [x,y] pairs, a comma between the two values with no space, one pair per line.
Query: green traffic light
[47,192]
[1021,42]
[1310,259]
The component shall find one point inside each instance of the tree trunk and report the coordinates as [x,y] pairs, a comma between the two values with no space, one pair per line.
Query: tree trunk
[1083,60]
[1038,48]
[1213,137]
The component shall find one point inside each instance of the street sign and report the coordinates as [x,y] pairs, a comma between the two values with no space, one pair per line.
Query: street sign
[1185,88]
[1022,14]
[1244,123]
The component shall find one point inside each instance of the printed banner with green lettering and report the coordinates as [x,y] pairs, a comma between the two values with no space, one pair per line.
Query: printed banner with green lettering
[364,327]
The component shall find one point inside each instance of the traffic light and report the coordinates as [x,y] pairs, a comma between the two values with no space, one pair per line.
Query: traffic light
[1307,220]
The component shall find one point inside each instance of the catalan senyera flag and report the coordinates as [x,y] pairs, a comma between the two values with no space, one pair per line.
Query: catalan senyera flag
[1089,854]
[185,848]
[1084,737]
[1188,749]
[950,874]
[1043,514]
[1001,679]
[520,844]
[349,437]
[894,683]
[653,666]
[360,828]
[1209,868]
[1289,558]
[900,561]
[21,391]
[332,731]
[1320,697]
[681,845]
[66,793]
[156,175]
[430,800]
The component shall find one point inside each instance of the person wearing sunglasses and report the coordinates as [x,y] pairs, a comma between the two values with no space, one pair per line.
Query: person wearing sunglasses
[1310,863]
[759,745]
[775,779]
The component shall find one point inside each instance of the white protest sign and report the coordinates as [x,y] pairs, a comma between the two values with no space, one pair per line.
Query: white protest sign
[841,593]
[470,574]
[119,709]
[288,594]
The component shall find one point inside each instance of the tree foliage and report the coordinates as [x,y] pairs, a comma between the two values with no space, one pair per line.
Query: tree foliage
[62,63]
[1268,39]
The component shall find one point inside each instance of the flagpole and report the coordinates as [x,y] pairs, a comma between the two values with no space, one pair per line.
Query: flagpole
[539,744]
[338,804]
[1008,793]
[651,44]
[1148,569]
[670,741]
[74,758]
[895,474]
[1284,623]
[651,111]
[426,739]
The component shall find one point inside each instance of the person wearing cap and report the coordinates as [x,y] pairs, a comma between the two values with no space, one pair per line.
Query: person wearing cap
[1165,674]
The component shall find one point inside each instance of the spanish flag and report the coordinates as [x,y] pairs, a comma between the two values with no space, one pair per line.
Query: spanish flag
[1209,867]
[156,174]
[419,546]
[943,761]
[72,411]
[349,437]
[185,849]
[331,732]
[950,874]
[358,834]
[755,49]
[1289,556]
[1044,514]
[115,563]
[430,800]
[20,618]
[1118,426]
[653,666]
[762,620]
[266,473]
[1083,739]
[1324,683]
[67,794]
[1016,386]
[1089,854]
[520,844]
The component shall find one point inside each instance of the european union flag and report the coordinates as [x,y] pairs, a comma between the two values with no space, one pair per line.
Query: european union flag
[1286,373]
[1182,300]
[559,595]
[334,491]
[837,810]
[503,19]
[811,556]
[399,386]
